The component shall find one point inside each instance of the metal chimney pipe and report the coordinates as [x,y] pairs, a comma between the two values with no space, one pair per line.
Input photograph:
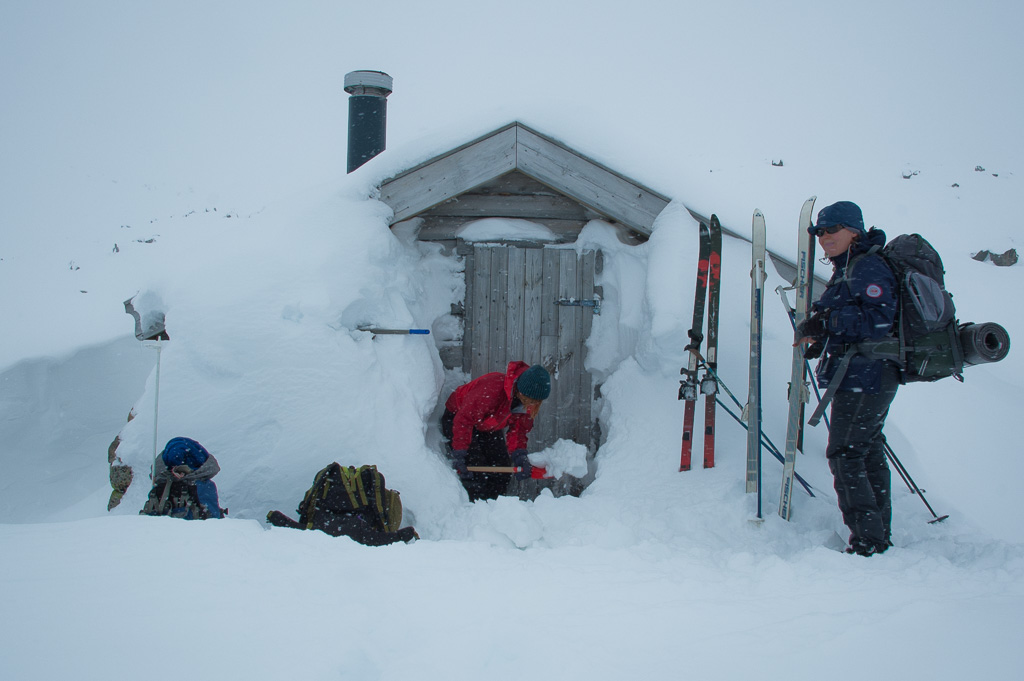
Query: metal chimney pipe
[367,115]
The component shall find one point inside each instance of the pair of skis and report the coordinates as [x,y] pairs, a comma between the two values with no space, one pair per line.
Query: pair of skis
[798,394]
[798,390]
[692,386]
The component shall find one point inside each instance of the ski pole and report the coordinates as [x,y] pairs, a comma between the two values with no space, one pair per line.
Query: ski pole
[718,380]
[764,438]
[913,485]
[767,443]
[158,346]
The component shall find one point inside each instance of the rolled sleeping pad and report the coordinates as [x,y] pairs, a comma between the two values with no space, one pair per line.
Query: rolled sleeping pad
[984,343]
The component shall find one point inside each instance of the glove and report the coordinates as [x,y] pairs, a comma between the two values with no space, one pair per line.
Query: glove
[815,326]
[181,471]
[519,458]
[814,350]
[459,463]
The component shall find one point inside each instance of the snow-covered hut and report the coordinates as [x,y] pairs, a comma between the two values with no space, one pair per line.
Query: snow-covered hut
[510,204]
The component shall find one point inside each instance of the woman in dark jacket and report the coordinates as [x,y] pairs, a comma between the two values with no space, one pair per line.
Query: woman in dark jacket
[859,304]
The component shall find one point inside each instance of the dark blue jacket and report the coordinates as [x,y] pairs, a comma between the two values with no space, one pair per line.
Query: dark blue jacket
[861,304]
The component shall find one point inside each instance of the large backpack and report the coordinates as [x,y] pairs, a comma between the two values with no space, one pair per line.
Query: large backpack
[926,330]
[927,342]
[179,499]
[338,489]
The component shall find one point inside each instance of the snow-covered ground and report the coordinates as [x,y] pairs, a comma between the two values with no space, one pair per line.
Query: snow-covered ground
[194,153]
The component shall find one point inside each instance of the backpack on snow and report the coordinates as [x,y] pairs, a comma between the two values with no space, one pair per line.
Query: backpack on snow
[927,342]
[338,489]
[350,501]
[179,499]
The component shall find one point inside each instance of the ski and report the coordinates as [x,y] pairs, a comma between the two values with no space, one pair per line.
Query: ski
[753,409]
[798,393]
[688,386]
[709,384]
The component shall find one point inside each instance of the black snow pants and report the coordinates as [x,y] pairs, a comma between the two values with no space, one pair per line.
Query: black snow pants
[486,449]
[856,457]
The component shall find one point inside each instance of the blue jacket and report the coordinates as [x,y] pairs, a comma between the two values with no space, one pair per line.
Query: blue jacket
[861,303]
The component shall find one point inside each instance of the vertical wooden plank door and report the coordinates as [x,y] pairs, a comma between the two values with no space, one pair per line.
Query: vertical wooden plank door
[528,304]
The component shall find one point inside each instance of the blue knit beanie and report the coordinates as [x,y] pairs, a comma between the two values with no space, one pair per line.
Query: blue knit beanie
[845,213]
[534,383]
[183,450]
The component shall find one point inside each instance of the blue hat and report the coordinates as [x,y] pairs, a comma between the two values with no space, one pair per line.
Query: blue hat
[845,213]
[534,383]
[183,450]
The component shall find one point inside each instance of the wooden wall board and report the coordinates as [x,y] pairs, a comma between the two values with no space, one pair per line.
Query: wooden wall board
[416,191]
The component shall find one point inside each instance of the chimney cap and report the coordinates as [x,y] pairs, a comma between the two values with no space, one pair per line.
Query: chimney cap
[365,82]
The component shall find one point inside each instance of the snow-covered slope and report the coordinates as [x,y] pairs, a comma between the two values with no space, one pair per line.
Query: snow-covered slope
[195,153]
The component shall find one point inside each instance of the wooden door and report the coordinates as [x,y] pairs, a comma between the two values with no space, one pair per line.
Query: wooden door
[535,304]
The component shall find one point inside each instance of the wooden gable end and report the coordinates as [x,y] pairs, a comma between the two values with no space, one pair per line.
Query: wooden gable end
[567,185]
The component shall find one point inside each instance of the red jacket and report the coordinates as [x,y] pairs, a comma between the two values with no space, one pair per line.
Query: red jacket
[485,403]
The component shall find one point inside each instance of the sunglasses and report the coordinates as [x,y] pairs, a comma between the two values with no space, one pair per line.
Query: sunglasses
[831,229]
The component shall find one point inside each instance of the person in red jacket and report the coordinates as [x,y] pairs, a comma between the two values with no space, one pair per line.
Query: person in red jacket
[486,423]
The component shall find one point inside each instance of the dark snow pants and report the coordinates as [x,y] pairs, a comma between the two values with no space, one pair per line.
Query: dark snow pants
[856,457]
[486,449]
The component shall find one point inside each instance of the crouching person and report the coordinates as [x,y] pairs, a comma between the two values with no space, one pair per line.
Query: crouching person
[182,482]
[487,422]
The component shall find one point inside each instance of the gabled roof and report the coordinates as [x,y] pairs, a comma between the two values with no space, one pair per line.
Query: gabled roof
[518,148]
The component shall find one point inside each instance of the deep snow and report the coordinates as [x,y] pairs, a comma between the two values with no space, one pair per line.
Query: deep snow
[206,141]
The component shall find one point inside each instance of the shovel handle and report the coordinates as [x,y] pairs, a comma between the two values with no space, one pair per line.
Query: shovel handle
[494,469]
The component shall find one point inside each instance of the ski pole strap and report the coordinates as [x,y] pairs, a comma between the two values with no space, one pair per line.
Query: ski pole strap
[836,381]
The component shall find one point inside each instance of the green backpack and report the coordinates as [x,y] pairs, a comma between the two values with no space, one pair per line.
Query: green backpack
[339,489]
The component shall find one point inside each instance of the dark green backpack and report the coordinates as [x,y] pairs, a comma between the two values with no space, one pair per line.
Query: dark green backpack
[927,342]
[338,489]
[926,332]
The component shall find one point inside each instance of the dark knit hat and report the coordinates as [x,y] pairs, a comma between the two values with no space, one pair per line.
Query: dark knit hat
[534,383]
[845,213]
